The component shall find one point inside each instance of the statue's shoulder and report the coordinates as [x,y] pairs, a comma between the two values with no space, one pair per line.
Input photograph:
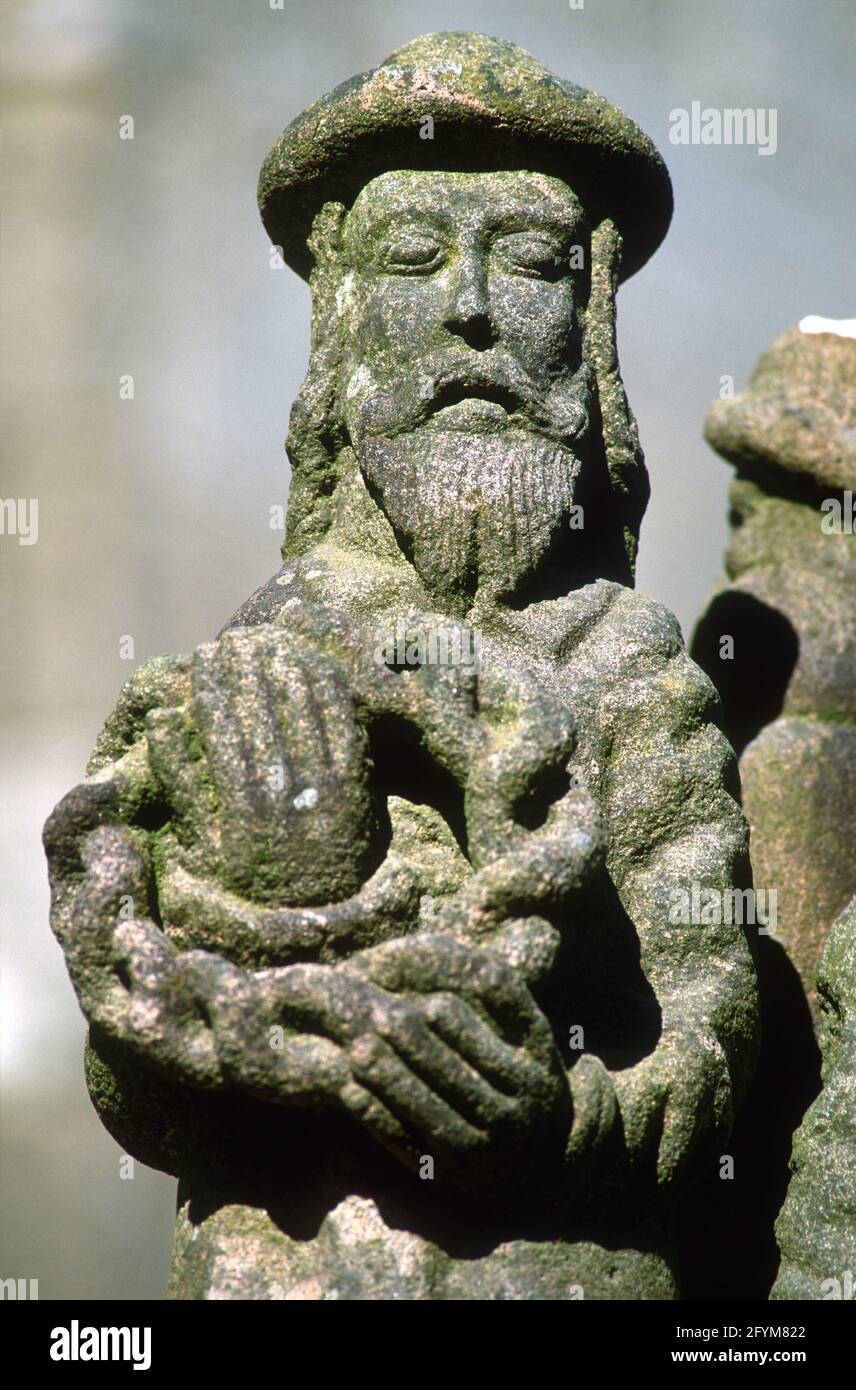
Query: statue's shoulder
[649,731]
[607,620]
[632,653]
[265,605]
[334,577]
[646,632]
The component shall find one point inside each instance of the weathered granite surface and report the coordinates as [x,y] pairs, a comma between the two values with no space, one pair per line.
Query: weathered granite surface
[368,900]
[788,685]
[789,601]
[816,1229]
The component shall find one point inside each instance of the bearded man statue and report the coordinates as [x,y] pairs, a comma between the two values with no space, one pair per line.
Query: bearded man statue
[370,902]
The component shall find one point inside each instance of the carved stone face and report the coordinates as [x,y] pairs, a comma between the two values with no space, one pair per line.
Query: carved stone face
[463,386]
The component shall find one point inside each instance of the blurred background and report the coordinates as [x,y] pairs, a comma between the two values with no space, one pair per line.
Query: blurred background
[146,257]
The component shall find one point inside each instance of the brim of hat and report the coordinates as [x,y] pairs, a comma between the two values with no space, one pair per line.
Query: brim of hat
[492,120]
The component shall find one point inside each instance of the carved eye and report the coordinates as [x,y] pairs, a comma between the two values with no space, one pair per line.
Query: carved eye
[530,254]
[410,252]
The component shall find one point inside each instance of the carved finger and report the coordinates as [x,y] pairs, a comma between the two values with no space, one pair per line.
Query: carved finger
[429,963]
[379,1121]
[238,727]
[320,733]
[437,1063]
[506,1068]
[419,1110]
[321,999]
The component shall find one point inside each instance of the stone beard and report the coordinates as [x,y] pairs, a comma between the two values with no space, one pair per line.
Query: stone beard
[476,474]
[473,512]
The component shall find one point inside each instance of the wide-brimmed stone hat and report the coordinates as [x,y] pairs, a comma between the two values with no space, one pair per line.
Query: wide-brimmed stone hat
[493,107]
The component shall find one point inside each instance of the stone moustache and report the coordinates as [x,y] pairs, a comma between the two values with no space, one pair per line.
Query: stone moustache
[376,954]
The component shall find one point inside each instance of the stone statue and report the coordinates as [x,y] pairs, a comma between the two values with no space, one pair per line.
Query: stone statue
[370,903]
[779,641]
[789,603]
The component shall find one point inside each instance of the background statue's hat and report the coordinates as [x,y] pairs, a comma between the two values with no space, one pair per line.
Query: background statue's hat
[493,107]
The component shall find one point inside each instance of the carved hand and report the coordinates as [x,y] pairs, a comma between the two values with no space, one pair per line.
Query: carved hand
[433,1046]
[265,771]
[450,1057]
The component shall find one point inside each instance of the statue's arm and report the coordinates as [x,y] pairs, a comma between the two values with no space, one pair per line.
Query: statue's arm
[675,823]
[431,1046]
[385,1036]
[136,988]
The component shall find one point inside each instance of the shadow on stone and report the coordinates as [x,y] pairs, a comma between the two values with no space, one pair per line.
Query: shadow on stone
[753,683]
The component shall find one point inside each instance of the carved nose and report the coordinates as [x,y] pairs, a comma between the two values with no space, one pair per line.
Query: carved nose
[468,313]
